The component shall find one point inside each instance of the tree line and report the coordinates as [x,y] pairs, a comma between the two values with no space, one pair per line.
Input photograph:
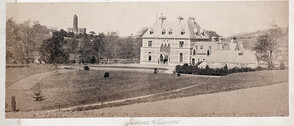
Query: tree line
[28,39]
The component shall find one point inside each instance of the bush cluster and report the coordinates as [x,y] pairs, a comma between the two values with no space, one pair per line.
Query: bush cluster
[86,68]
[189,69]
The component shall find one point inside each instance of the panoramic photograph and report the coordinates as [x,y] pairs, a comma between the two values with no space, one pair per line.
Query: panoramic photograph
[147,59]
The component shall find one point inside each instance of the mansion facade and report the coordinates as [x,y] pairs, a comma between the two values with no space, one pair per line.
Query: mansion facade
[184,41]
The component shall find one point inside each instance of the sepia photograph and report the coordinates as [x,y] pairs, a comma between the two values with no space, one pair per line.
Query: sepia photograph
[147,59]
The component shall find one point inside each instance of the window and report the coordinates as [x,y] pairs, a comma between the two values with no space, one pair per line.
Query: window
[170,31]
[201,47]
[149,43]
[208,52]
[181,44]
[194,52]
[182,32]
[163,31]
[149,56]
[181,57]
[151,32]
[196,47]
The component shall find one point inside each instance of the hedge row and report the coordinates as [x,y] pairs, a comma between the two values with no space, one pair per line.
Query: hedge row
[188,69]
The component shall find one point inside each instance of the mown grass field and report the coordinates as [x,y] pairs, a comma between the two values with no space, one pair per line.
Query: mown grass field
[86,87]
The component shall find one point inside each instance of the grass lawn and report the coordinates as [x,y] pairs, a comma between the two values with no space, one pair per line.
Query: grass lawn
[85,87]
[16,73]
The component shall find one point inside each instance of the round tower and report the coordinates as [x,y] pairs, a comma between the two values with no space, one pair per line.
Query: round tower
[75,22]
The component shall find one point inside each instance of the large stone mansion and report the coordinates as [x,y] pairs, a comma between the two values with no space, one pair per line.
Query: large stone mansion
[184,41]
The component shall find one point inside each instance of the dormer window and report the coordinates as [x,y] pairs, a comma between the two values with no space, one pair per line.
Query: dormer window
[170,32]
[151,31]
[163,31]
[182,32]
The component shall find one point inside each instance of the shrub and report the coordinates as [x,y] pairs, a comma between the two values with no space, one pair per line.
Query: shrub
[282,66]
[186,69]
[86,68]
[178,69]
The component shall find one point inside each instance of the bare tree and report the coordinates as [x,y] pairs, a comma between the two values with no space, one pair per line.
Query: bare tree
[28,44]
[20,42]
[267,46]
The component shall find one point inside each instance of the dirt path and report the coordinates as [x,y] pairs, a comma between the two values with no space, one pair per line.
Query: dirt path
[24,87]
[122,100]
[269,100]
[28,82]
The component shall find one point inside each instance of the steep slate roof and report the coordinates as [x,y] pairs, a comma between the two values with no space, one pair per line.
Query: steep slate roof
[176,26]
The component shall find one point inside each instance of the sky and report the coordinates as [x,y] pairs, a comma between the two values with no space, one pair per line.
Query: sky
[226,18]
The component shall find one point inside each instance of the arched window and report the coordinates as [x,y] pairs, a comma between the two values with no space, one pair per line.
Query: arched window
[181,57]
[208,52]
[194,52]
[193,61]
[149,56]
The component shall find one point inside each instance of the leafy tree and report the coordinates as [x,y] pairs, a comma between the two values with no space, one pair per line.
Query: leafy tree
[70,34]
[63,33]
[127,47]
[99,41]
[85,48]
[51,50]
[12,41]
[267,46]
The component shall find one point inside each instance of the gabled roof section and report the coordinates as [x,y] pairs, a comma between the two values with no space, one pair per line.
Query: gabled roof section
[182,29]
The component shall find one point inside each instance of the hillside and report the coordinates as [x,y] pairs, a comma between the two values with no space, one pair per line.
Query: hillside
[41,33]
[249,39]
